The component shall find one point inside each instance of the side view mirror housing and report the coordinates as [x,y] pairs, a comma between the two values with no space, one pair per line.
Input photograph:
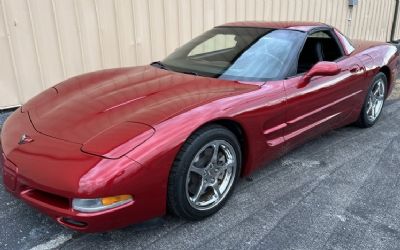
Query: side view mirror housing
[320,69]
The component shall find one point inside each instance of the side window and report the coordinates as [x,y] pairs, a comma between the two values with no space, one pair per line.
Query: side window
[215,43]
[319,46]
[346,42]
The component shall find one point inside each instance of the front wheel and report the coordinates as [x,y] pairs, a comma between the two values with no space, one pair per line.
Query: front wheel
[204,173]
[374,102]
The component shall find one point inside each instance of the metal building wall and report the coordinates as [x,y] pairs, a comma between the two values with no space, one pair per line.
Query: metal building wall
[397,27]
[43,42]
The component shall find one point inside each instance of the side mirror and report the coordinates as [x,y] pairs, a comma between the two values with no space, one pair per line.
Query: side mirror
[320,69]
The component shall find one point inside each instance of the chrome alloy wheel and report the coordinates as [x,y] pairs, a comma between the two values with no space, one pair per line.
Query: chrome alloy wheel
[376,100]
[211,175]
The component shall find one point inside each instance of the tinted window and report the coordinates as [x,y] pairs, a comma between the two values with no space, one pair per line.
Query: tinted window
[236,53]
[215,43]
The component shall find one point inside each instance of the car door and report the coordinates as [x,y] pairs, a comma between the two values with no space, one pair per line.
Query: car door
[326,101]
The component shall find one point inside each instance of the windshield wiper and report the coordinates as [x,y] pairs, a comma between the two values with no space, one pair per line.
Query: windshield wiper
[160,65]
[189,73]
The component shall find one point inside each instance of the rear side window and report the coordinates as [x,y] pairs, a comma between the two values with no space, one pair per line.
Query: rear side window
[348,47]
[319,46]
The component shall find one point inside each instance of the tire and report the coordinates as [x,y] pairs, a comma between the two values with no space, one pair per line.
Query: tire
[201,174]
[370,113]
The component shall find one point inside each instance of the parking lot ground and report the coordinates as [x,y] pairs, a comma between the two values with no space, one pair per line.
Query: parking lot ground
[396,91]
[339,191]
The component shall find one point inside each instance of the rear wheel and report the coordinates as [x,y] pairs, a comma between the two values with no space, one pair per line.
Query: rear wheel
[374,102]
[204,173]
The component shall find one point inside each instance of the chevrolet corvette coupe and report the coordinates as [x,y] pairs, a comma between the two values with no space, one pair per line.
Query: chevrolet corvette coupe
[107,149]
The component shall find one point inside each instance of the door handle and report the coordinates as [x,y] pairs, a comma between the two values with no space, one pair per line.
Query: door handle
[355,69]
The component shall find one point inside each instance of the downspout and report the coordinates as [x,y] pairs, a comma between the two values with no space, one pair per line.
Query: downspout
[396,12]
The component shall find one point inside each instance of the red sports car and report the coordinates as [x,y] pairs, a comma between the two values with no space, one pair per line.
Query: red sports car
[110,148]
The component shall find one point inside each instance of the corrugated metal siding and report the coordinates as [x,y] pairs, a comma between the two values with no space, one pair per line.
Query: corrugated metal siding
[43,42]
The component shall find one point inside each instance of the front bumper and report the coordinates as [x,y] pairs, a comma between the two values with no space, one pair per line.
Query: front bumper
[48,173]
[60,208]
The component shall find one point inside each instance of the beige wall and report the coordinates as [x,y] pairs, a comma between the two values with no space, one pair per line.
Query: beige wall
[43,42]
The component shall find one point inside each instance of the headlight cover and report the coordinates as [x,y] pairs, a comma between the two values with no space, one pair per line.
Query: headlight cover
[100,204]
[117,141]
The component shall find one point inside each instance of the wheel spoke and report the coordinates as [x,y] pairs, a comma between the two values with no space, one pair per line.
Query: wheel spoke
[381,91]
[373,110]
[217,193]
[377,109]
[369,109]
[381,94]
[376,92]
[214,158]
[226,166]
[197,170]
[200,191]
[369,104]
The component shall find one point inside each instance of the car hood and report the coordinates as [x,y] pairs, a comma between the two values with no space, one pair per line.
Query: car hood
[87,106]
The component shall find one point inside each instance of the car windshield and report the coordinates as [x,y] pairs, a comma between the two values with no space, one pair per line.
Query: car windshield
[237,53]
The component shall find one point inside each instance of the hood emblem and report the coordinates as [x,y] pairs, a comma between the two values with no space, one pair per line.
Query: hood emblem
[25,139]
